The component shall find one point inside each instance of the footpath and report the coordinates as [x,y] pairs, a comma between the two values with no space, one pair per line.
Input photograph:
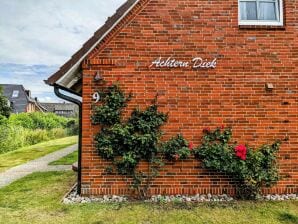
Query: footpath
[37,165]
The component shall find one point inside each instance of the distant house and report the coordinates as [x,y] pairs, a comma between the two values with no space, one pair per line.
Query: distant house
[20,99]
[62,109]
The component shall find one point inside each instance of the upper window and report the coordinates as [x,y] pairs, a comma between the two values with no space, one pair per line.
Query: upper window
[261,12]
[15,94]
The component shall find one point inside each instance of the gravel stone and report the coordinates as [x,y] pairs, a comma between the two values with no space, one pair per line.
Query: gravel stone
[73,198]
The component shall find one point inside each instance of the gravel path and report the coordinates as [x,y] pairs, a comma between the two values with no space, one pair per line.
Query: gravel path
[37,165]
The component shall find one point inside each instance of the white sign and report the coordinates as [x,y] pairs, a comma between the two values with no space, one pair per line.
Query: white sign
[195,63]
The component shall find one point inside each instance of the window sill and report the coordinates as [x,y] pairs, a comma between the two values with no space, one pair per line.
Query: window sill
[262,27]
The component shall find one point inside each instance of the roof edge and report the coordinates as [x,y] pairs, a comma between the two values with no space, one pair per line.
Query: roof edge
[71,67]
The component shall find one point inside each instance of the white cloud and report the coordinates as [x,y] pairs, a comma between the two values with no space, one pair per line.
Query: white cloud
[49,32]
[38,36]
[30,76]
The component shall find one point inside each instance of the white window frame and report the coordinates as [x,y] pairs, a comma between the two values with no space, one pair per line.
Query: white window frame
[279,22]
[15,94]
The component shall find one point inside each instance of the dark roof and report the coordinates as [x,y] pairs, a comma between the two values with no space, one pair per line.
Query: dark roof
[21,100]
[91,42]
[49,106]
[52,107]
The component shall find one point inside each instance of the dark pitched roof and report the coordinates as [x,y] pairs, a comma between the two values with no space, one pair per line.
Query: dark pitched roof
[49,106]
[21,99]
[91,42]
[52,107]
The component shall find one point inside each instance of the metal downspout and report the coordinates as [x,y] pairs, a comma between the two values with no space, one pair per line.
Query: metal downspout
[79,103]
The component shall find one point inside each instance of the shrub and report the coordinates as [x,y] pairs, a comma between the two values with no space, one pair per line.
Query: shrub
[22,120]
[5,109]
[36,136]
[176,148]
[72,126]
[3,120]
[109,113]
[30,128]
[11,138]
[57,133]
[126,143]
[14,137]
[251,169]
[39,120]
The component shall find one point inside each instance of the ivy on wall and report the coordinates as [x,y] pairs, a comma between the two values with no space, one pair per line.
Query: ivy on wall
[127,142]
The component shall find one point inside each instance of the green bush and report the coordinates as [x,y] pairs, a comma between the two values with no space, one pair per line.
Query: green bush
[177,148]
[26,129]
[57,133]
[3,120]
[14,137]
[22,120]
[35,136]
[5,109]
[11,137]
[251,169]
[38,120]
[72,126]
[125,143]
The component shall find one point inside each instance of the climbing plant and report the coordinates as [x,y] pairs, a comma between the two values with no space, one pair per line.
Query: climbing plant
[250,168]
[127,142]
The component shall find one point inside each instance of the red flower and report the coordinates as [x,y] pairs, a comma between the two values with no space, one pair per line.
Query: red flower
[110,83]
[241,151]
[118,79]
[206,129]
[190,146]
[222,126]
[176,157]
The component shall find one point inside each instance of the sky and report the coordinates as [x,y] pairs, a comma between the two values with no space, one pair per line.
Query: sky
[39,36]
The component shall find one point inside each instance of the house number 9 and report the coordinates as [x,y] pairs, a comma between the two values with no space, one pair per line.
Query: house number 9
[96,97]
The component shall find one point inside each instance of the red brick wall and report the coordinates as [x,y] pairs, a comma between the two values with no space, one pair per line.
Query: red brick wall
[233,94]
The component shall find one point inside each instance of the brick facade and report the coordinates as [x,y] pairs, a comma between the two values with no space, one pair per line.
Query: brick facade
[233,94]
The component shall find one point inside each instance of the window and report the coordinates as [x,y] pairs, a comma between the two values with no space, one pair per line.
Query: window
[15,94]
[261,12]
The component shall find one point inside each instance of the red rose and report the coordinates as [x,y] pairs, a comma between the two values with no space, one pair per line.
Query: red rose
[206,129]
[110,84]
[222,127]
[241,151]
[176,157]
[190,146]
[118,79]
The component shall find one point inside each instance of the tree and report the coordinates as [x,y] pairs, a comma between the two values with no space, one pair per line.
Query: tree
[5,109]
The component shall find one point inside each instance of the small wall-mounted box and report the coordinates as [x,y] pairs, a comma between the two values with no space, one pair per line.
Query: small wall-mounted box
[269,86]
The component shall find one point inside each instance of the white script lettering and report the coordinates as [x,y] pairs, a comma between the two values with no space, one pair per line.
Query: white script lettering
[196,63]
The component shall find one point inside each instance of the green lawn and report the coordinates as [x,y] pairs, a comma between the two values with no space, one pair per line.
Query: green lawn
[37,199]
[28,153]
[67,160]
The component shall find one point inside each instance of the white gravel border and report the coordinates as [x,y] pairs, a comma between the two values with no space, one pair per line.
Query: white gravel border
[72,198]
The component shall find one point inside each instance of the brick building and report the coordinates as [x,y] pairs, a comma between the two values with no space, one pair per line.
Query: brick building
[232,63]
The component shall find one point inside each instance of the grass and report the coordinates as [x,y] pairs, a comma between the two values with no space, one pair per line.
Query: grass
[28,153]
[67,160]
[37,199]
